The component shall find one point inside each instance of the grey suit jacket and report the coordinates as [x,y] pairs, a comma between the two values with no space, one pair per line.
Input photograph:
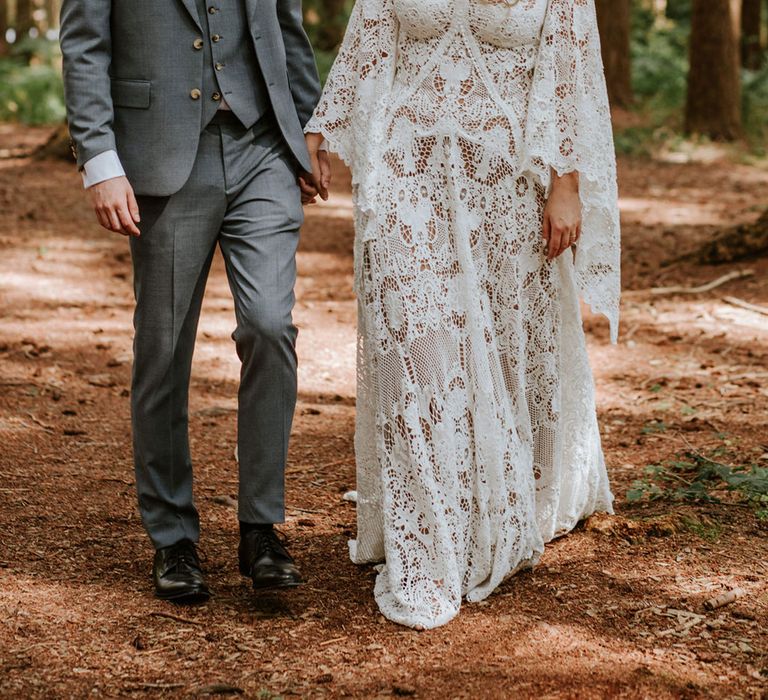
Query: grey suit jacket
[130,67]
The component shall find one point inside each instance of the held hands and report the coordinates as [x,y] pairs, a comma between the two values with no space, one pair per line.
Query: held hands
[562,215]
[319,180]
[115,206]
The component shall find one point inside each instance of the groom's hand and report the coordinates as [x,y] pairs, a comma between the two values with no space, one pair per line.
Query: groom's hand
[115,206]
[308,190]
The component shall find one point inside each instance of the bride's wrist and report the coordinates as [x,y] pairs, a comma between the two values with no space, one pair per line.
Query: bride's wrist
[566,182]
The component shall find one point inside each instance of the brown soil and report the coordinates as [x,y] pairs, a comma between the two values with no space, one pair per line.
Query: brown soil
[614,610]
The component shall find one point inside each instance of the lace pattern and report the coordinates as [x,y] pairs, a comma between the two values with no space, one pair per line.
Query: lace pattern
[476,437]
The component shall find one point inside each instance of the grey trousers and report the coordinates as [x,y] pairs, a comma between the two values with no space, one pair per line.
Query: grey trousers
[242,195]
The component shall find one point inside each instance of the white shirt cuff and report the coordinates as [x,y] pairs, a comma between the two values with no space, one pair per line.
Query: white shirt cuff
[104,166]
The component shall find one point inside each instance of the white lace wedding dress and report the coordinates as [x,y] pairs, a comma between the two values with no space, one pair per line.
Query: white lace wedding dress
[477,439]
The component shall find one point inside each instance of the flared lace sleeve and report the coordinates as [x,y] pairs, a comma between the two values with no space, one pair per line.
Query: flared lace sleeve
[351,111]
[569,129]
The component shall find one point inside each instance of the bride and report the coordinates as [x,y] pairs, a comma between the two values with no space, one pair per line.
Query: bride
[478,134]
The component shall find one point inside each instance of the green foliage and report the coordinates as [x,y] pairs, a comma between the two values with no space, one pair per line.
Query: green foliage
[659,79]
[325,61]
[660,68]
[706,529]
[326,22]
[691,476]
[679,10]
[265,694]
[31,89]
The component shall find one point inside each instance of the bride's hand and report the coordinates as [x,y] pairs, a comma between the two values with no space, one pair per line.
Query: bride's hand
[562,215]
[319,180]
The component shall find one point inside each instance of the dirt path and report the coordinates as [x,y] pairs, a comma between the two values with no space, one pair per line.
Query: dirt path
[614,610]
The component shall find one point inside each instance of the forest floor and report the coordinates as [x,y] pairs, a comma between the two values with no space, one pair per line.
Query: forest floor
[614,610]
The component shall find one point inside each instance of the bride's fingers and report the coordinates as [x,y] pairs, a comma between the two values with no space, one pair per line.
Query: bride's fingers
[325,170]
[317,177]
[555,243]
[570,239]
[566,241]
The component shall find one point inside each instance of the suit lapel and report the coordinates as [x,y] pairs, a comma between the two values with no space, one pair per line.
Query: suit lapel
[251,6]
[192,9]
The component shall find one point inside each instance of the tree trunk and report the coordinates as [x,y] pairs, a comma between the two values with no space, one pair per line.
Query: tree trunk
[751,30]
[713,106]
[4,48]
[52,13]
[24,21]
[614,18]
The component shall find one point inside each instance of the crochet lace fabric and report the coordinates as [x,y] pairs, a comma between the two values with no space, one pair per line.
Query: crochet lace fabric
[477,439]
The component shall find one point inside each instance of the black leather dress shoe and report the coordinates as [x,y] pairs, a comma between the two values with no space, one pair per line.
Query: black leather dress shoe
[264,558]
[177,574]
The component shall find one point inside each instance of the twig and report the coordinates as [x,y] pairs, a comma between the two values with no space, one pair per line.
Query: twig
[328,642]
[44,426]
[734,275]
[735,301]
[305,510]
[13,153]
[724,599]
[116,479]
[177,618]
[154,686]
[699,454]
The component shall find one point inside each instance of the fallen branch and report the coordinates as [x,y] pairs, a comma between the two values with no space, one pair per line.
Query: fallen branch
[328,642]
[735,301]
[714,284]
[219,689]
[154,686]
[44,426]
[116,480]
[724,599]
[743,242]
[177,618]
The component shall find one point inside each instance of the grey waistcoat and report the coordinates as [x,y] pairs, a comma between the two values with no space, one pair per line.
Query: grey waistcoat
[135,79]
[230,67]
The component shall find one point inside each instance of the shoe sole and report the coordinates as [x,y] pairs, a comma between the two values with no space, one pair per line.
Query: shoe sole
[194,598]
[267,583]
[271,585]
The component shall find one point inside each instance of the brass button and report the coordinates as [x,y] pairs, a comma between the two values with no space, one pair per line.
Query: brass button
[219,66]
[198,44]
[215,38]
[212,10]
[216,96]
[195,94]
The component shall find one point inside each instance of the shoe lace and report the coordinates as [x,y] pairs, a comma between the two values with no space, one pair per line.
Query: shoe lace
[272,542]
[183,557]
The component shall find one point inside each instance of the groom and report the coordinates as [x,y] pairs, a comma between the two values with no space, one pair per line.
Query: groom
[187,118]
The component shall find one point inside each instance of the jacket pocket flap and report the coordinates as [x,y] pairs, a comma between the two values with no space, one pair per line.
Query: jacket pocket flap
[131,93]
